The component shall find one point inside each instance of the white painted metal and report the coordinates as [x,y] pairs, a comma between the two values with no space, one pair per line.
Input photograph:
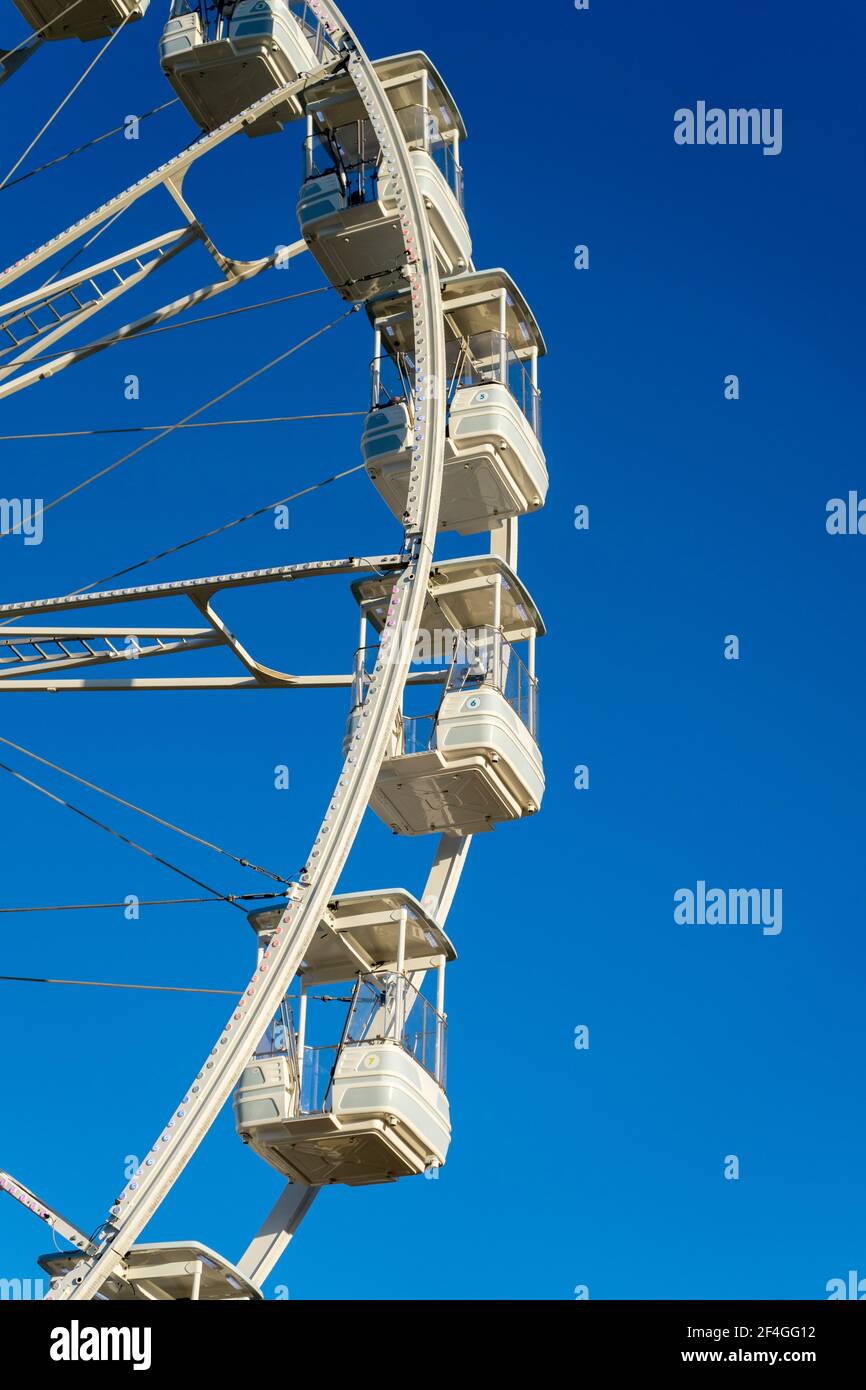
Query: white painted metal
[294,1203]
[376,1108]
[387,1118]
[164,1271]
[483,767]
[12,59]
[346,209]
[45,336]
[167,311]
[172,172]
[119,1266]
[357,933]
[274,681]
[201,593]
[46,294]
[261,46]
[33,651]
[462,598]
[272,1240]
[193,1117]
[495,467]
[206,586]
[58,1223]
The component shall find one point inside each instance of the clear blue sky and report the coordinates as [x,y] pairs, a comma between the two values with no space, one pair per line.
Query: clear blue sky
[600,1167]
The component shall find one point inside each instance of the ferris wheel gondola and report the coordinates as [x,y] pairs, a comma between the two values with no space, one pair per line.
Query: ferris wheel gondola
[221,58]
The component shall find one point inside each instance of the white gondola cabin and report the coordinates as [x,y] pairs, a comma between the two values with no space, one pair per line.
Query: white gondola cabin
[495,467]
[88,19]
[361,1098]
[347,211]
[474,761]
[219,66]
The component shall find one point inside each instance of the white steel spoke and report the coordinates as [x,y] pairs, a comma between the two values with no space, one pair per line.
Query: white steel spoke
[211,584]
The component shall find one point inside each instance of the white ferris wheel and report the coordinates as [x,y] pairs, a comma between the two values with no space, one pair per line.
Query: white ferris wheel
[452,444]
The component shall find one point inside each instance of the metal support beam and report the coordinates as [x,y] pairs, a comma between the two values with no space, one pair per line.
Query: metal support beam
[444,877]
[74,320]
[131,330]
[58,1223]
[187,684]
[207,586]
[503,542]
[11,62]
[276,1233]
[56,288]
[72,661]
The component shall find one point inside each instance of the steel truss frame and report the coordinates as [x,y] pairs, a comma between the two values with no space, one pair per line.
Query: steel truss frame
[94,646]
[81,292]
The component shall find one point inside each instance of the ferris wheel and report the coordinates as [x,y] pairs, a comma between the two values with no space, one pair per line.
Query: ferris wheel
[451,443]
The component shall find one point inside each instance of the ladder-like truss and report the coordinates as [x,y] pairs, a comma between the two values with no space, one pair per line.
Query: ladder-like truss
[26,653]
